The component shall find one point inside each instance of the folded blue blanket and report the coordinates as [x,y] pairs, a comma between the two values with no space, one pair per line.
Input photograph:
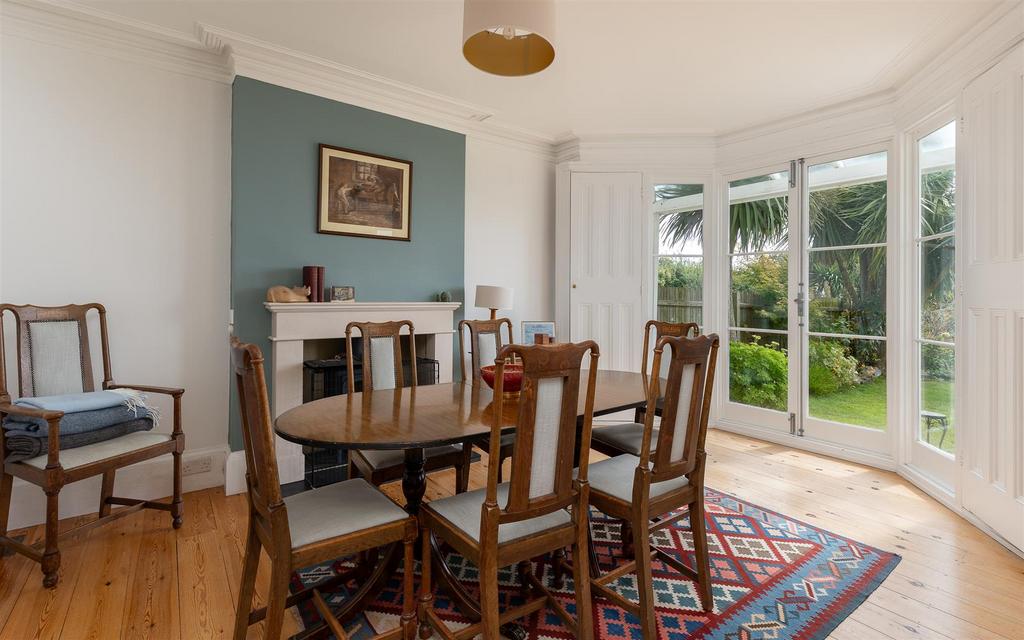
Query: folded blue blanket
[78,422]
[22,444]
[75,402]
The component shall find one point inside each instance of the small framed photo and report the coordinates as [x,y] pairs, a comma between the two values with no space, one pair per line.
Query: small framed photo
[362,194]
[343,294]
[532,328]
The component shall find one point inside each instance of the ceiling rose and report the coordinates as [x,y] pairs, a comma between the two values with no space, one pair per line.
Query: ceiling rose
[509,37]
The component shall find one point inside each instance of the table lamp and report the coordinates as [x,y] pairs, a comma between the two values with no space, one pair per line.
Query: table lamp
[493,298]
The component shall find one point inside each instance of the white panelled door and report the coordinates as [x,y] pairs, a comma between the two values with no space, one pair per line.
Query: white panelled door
[992,286]
[606,259]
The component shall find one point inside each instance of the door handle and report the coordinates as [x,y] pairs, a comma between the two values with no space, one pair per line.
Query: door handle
[800,300]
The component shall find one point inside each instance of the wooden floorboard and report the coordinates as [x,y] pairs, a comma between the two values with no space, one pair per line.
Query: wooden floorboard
[138,578]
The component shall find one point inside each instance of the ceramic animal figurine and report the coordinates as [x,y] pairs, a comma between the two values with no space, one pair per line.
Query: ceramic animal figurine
[281,293]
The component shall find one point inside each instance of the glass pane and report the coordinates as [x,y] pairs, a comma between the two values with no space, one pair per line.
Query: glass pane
[846,381]
[938,317]
[759,291]
[848,201]
[847,292]
[937,161]
[937,426]
[758,369]
[759,213]
[680,233]
[680,289]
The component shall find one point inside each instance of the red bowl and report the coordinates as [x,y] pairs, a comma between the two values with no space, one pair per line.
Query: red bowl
[513,377]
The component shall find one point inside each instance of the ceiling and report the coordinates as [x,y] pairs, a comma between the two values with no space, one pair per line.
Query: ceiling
[629,66]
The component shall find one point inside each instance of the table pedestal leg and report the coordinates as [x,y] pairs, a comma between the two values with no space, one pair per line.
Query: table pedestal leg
[414,481]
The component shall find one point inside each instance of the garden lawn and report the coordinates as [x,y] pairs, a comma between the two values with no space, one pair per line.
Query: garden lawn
[865,405]
[862,405]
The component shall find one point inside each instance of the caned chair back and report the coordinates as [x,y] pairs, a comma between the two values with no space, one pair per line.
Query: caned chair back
[53,349]
[257,432]
[382,354]
[661,329]
[542,460]
[485,342]
[687,403]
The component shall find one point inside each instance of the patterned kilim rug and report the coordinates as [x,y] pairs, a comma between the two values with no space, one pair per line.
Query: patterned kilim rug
[774,578]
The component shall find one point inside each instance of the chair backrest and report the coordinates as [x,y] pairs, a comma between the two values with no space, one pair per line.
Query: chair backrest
[687,403]
[662,329]
[484,344]
[542,459]
[257,431]
[382,354]
[53,349]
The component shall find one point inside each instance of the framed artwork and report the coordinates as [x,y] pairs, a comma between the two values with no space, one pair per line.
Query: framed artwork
[362,194]
[533,327]
[343,294]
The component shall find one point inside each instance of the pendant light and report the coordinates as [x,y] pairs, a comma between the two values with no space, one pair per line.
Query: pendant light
[509,37]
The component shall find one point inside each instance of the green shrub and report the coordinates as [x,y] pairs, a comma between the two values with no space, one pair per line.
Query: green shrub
[830,368]
[758,374]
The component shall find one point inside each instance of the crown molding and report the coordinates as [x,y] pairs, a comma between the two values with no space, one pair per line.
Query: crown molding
[73,26]
[300,71]
[942,79]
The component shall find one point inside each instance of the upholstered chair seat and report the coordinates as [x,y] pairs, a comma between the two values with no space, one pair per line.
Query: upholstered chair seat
[388,458]
[614,477]
[81,456]
[623,437]
[462,511]
[337,510]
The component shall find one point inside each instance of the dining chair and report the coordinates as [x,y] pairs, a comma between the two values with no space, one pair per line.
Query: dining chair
[384,368]
[485,341]
[314,526]
[616,439]
[542,507]
[53,358]
[648,491]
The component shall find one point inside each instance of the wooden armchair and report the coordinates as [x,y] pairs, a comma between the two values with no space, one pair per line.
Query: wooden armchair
[649,491]
[616,439]
[542,508]
[53,358]
[383,368]
[485,342]
[310,527]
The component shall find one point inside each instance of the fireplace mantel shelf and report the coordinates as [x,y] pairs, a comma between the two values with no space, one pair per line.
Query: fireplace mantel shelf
[355,307]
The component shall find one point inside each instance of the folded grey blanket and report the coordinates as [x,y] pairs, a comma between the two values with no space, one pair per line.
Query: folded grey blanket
[23,444]
[78,422]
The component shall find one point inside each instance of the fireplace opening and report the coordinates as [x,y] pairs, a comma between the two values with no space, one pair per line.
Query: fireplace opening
[325,374]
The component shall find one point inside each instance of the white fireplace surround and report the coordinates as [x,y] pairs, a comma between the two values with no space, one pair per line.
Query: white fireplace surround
[294,323]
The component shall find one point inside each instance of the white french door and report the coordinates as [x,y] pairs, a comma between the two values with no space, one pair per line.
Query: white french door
[606,294]
[807,300]
[991,435]
[842,286]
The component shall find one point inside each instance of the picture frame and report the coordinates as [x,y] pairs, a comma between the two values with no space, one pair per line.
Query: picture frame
[343,294]
[363,194]
[532,327]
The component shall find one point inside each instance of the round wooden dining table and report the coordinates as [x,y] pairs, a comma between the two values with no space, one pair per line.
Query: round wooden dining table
[415,418]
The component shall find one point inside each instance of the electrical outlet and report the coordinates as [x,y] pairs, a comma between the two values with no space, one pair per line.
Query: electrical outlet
[197,465]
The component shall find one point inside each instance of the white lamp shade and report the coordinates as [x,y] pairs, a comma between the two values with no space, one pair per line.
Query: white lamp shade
[488,297]
[509,37]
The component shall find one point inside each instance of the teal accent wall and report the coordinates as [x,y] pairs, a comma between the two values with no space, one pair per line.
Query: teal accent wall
[274,163]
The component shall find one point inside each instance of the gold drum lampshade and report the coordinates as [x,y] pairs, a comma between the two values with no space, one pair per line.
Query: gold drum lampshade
[509,37]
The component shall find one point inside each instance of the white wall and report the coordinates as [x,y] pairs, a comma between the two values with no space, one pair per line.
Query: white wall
[116,189]
[510,226]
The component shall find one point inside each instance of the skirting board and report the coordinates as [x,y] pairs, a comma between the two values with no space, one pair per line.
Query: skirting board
[149,480]
[289,469]
[860,456]
[946,498]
